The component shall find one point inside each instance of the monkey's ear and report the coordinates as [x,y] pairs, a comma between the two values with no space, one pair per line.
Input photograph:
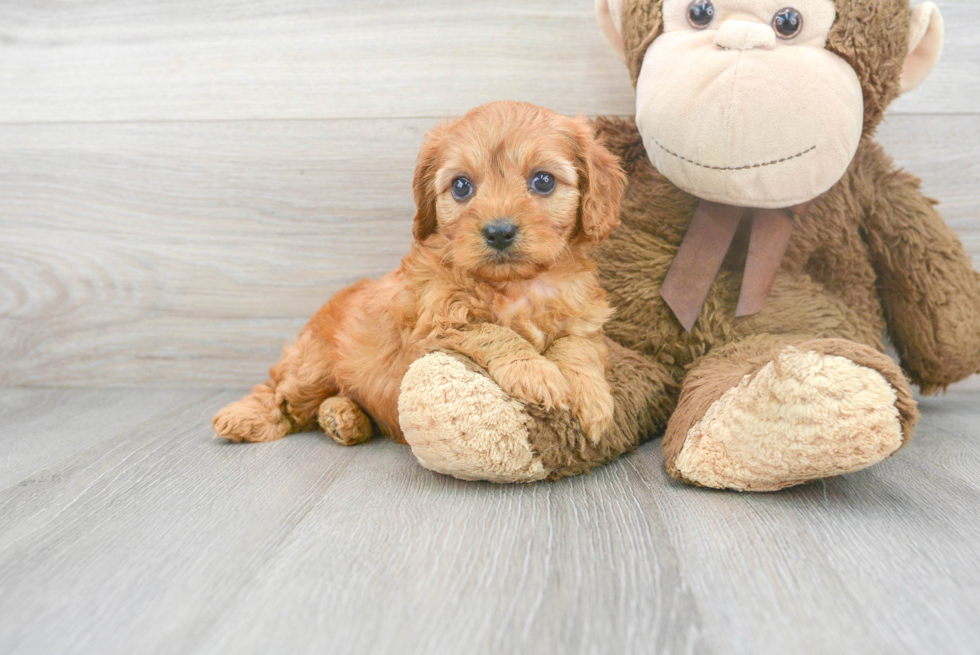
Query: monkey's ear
[925,45]
[601,183]
[423,184]
[610,15]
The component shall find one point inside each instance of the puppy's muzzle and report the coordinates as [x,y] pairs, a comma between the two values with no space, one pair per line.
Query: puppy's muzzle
[500,234]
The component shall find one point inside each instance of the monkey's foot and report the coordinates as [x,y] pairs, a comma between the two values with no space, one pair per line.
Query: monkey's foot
[807,414]
[459,422]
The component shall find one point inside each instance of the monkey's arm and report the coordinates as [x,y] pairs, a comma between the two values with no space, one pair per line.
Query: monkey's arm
[459,425]
[930,292]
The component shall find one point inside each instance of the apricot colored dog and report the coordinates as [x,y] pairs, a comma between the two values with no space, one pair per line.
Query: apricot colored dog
[511,199]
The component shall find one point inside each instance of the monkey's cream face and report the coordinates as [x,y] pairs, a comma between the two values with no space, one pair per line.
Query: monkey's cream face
[739,103]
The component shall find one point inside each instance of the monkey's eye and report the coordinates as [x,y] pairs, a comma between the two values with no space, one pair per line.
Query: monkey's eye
[700,13]
[543,183]
[462,189]
[787,22]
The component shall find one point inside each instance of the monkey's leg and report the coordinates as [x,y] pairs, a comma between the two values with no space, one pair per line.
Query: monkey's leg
[344,421]
[461,423]
[288,401]
[771,412]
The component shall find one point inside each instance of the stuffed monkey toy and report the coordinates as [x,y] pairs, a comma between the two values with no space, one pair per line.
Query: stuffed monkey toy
[767,244]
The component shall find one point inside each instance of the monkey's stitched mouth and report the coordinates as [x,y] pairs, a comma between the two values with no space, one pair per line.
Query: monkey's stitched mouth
[733,168]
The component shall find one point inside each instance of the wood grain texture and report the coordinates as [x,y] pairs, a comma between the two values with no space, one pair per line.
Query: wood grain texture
[40,429]
[131,249]
[188,253]
[138,60]
[155,539]
[250,59]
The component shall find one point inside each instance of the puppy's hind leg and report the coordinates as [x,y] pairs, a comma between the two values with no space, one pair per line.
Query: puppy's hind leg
[288,401]
[344,421]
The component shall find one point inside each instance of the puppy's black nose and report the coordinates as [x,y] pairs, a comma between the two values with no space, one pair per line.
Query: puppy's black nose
[500,234]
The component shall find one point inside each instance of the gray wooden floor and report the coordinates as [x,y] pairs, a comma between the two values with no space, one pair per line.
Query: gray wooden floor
[125,529]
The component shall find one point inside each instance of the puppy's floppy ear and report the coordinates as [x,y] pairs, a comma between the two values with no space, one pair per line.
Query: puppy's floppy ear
[601,182]
[424,184]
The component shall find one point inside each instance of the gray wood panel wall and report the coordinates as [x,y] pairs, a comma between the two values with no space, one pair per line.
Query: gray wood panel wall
[182,183]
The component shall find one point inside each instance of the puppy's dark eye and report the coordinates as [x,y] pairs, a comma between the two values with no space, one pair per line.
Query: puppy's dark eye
[543,183]
[462,189]
[700,13]
[787,23]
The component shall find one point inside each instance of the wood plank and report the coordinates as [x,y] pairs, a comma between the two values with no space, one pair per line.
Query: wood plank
[129,60]
[160,540]
[41,427]
[460,567]
[211,237]
[188,253]
[142,541]
[245,59]
[176,533]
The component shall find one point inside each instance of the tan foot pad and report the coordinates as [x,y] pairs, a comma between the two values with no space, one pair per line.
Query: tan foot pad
[803,417]
[344,421]
[460,423]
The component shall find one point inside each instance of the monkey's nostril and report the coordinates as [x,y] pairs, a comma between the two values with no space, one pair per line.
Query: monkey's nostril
[500,235]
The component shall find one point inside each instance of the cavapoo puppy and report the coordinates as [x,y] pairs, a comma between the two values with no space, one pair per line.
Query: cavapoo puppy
[511,199]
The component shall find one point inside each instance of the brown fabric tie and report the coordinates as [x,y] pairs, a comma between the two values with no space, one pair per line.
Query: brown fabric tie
[703,250]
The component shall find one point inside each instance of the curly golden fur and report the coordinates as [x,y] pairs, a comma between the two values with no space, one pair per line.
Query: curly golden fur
[453,289]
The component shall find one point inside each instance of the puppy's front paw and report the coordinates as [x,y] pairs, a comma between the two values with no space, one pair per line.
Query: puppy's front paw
[535,381]
[248,420]
[592,404]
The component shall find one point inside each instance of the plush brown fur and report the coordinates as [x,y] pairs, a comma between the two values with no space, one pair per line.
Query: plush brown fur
[453,290]
[870,256]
